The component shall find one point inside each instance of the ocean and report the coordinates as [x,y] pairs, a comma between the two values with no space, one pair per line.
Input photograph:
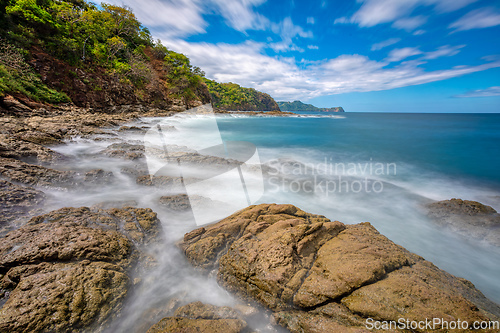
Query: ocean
[431,157]
[381,168]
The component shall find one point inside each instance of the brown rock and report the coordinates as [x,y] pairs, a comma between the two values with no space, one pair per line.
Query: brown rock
[186,325]
[11,147]
[68,270]
[322,276]
[360,249]
[62,297]
[470,219]
[124,150]
[30,174]
[199,317]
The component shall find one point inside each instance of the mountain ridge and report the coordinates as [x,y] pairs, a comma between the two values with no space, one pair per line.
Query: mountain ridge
[300,106]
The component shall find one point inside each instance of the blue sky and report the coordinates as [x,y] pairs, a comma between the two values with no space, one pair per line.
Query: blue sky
[364,55]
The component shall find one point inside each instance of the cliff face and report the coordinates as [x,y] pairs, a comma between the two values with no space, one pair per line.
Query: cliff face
[299,106]
[232,97]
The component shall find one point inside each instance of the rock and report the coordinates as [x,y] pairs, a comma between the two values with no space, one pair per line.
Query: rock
[98,176]
[321,276]
[179,202]
[124,150]
[62,297]
[27,151]
[70,269]
[172,183]
[199,317]
[182,202]
[14,106]
[18,204]
[467,218]
[30,174]
[132,129]
[198,310]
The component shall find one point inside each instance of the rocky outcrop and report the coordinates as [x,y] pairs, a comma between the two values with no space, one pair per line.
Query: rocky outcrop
[318,275]
[199,317]
[70,270]
[470,219]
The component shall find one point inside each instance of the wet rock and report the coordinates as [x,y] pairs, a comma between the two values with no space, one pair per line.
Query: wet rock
[172,183]
[115,204]
[124,150]
[199,317]
[99,176]
[318,275]
[179,202]
[135,171]
[27,151]
[132,129]
[467,218]
[69,270]
[18,204]
[30,174]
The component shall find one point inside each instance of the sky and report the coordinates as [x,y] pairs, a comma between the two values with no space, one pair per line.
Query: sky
[363,55]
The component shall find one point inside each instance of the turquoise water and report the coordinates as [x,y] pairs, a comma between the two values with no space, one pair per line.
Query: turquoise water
[434,157]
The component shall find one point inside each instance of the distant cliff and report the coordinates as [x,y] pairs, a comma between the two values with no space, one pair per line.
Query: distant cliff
[232,97]
[299,106]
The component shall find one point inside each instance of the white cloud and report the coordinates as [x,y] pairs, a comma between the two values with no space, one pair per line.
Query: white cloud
[419,32]
[443,51]
[313,47]
[286,79]
[288,32]
[239,14]
[385,43]
[373,12]
[488,92]
[342,20]
[410,23]
[477,19]
[403,53]
[175,17]
[311,20]
[181,18]
[451,5]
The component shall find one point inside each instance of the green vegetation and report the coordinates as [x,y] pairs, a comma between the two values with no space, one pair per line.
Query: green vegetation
[230,96]
[99,53]
[16,76]
[299,106]
[85,36]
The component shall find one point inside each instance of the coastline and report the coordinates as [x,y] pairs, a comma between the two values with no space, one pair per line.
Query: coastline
[26,138]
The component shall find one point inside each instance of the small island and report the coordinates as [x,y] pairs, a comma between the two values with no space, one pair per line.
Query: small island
[299,106]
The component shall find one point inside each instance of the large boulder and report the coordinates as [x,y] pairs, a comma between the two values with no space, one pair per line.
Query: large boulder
[467,218]
[70,270]
[318,275]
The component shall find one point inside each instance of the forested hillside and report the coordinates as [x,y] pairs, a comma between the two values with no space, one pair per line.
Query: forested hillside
[58,51]
[232,97]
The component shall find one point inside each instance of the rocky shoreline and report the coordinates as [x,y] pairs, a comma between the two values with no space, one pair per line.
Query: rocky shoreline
[74,269]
